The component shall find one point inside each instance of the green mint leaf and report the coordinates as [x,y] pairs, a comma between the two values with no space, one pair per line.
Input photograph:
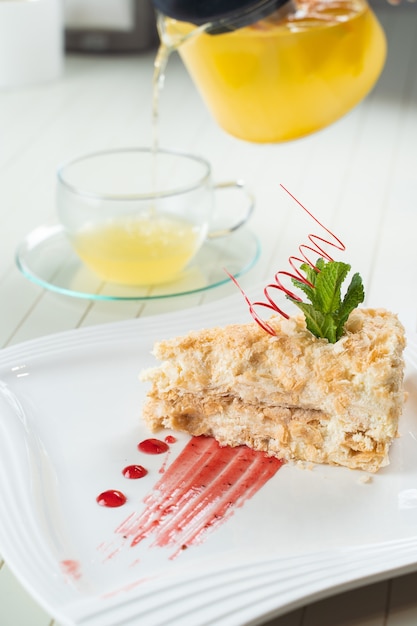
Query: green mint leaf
[319,324]
[355,294]
[311,276]
[309,291]
[328,285]
[327,312]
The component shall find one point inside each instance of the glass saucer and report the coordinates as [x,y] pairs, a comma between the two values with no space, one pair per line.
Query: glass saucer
[46,257]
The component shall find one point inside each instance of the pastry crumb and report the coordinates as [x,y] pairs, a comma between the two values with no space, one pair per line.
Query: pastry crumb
[304,465]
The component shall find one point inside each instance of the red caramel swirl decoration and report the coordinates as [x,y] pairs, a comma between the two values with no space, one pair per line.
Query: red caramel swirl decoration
[317,246]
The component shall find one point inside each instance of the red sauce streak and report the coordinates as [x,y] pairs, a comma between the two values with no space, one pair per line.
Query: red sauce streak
[134,471]
[71,569]
[315,246]
[111,498]
[153,446]
[198,492]
[170,439]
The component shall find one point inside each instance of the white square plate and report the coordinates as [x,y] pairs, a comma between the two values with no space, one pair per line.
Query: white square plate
[70,421]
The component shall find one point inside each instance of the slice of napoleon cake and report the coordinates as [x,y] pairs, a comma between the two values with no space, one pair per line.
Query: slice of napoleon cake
[323,387]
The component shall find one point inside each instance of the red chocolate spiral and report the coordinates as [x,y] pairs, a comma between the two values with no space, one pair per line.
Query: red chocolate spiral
[316,245]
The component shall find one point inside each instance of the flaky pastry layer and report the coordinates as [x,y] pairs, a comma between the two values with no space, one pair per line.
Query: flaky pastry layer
[292,395]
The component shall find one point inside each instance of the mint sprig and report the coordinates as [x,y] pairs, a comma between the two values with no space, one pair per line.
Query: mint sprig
[327,314]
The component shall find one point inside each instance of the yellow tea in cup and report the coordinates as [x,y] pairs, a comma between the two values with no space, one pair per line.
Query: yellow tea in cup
[138,251]
[138,216]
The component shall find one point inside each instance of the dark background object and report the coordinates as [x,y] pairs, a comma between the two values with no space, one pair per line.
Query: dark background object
[226,15]
[141,36]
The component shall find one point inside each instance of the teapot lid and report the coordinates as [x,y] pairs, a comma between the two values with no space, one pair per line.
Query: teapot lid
[224,15]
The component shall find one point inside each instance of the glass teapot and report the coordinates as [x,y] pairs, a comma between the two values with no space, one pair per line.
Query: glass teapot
[276,70]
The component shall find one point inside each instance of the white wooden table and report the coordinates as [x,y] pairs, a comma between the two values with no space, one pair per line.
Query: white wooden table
[359,176]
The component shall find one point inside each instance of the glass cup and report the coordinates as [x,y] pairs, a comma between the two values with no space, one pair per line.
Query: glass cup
[136,216]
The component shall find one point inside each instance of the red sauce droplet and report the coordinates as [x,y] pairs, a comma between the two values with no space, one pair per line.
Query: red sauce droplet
[170,439]
[153,446]
[134,471]
[111,498]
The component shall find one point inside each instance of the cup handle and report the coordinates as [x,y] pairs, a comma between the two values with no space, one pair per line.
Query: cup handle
[247,212]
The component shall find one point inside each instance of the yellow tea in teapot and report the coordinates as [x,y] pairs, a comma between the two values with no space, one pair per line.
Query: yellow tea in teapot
[285,76]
